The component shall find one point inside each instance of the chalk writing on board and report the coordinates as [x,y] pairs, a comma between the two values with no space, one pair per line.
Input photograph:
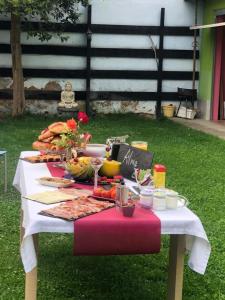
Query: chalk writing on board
[132,158]
[128,160]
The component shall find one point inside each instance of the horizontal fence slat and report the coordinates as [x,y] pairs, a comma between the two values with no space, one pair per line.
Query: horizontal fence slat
[101,74]
[46,73]
[109,29]
[125,29]
[107,96]
[141,30]
[77,28]
[99,52]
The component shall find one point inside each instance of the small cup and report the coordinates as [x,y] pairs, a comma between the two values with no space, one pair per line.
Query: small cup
[173,200]
[159,200]
[128,210]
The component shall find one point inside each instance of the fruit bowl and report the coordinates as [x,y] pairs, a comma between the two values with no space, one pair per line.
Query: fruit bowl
[80,168]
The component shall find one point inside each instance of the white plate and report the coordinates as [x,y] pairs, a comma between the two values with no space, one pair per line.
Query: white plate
[55,181]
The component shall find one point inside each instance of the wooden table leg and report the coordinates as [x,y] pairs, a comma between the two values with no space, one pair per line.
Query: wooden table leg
[30,277]
[176,267]
[31,285]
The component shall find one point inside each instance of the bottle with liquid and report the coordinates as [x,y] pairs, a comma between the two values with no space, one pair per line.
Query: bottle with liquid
[159,176]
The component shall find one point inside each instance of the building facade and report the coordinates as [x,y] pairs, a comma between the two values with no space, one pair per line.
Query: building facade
[212,64]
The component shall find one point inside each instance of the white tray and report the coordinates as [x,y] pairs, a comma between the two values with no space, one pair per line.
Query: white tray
[55,181]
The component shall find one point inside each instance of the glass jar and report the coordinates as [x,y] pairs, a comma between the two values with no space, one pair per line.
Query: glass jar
[159,200]
[146,197]
[171,199]
[174,200]
[140,145]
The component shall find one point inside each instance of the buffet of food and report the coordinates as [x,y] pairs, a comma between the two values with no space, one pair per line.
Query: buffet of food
[93,166]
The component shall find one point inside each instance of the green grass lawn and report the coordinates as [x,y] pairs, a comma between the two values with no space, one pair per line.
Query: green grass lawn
[196,168]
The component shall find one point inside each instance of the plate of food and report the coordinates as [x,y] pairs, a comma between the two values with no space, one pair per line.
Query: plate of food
[101,193]
[42,158]
[55,181]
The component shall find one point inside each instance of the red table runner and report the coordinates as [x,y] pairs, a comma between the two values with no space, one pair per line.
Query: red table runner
[110,233]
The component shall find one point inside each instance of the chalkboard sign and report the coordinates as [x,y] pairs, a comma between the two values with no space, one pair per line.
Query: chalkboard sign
[131,158]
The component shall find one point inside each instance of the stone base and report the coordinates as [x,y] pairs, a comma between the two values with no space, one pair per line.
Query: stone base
[68,112]
[65,109]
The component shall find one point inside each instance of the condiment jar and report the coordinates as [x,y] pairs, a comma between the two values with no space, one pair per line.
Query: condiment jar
[159,176]
[174,200]
[171,199]
[122,193]
[159,200]
[146,197]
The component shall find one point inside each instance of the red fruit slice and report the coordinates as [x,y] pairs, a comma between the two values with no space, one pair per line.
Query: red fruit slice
[118,177]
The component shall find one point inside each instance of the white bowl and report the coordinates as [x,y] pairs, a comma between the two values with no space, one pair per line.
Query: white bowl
[95,150]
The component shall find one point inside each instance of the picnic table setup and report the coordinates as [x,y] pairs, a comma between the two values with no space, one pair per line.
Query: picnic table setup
[109,196]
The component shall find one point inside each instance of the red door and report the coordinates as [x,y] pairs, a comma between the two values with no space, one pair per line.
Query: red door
[219,73]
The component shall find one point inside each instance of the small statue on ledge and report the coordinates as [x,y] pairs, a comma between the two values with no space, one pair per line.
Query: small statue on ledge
[68,97]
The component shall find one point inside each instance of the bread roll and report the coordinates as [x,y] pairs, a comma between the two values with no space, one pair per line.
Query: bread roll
[58,127]
[37,145]
[45,134]
[48,140]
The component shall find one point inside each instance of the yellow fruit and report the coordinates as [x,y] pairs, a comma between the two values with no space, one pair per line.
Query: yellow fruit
[110,168]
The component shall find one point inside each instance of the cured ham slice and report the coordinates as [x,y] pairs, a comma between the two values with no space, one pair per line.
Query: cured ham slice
[75,209]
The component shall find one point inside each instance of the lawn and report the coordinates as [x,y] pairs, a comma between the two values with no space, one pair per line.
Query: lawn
[196,168]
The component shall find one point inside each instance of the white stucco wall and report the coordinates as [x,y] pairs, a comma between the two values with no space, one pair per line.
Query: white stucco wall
[125,12]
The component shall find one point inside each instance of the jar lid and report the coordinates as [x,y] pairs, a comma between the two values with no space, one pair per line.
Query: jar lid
[159,194]
[159,168]
[146,191]
[171,193]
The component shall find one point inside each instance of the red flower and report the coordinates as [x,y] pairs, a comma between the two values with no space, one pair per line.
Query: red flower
[82,117]
[71,124]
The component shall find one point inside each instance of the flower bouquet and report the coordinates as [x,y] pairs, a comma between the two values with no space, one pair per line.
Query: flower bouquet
[73,140]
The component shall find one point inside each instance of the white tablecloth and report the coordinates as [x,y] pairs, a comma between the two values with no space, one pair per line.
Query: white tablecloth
[180,221]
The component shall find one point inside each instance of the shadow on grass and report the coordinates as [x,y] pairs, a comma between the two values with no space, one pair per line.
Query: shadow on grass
[112,277]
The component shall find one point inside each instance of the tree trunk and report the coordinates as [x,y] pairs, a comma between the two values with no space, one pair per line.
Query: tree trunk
[17,70]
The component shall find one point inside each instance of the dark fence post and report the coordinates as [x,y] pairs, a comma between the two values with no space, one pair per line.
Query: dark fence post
[160,65]
[88,62]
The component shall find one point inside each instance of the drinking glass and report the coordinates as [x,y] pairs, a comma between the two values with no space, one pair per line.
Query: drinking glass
[143,178]
[140,145]
[96,163]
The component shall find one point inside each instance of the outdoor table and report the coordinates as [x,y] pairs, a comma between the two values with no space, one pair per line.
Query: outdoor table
[187,234]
